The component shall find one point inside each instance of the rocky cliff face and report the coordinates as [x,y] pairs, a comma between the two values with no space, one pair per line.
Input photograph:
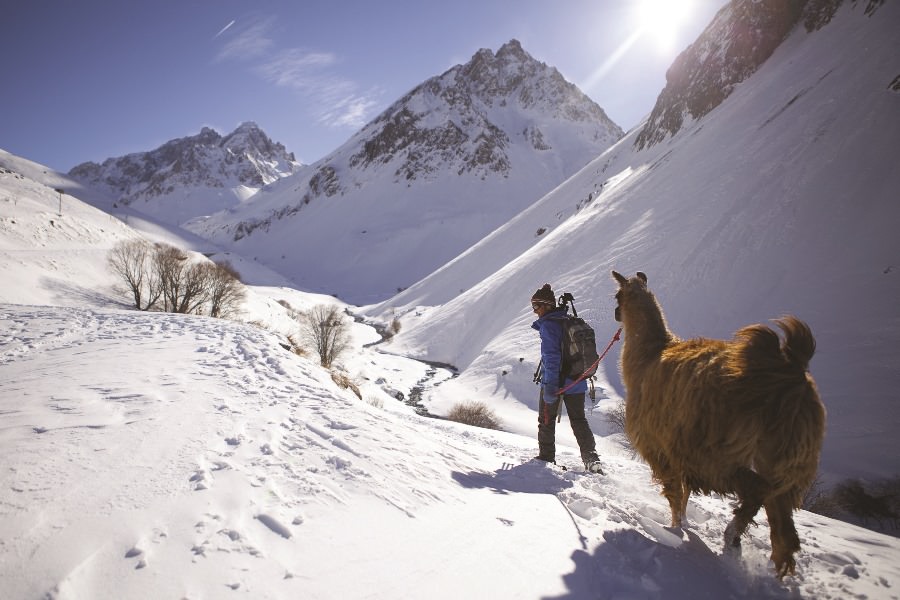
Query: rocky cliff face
[740,39]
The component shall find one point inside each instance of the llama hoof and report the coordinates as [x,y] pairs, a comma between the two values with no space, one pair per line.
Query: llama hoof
[784,565]
[732,537]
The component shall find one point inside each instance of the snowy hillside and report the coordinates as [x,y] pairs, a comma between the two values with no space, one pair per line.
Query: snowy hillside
[153,455]
[781,200]
[192,176]
[51,243]
[456,157]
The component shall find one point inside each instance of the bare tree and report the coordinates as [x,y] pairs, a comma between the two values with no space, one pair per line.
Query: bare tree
[130,260]
[160,272]
[194,288]
[327,330]
[226,292]
[169,263]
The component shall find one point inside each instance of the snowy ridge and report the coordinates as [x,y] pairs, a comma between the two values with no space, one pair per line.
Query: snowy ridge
[192,176]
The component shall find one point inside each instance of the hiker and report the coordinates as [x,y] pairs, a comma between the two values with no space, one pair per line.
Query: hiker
[550,326]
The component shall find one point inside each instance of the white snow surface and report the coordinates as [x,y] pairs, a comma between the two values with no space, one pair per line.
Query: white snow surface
[149,455]
[155,455]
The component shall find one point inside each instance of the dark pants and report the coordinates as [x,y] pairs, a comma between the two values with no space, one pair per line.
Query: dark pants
[580,427]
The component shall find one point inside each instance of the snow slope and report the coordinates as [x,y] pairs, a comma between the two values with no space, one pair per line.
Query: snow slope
[154,455]
[781,200]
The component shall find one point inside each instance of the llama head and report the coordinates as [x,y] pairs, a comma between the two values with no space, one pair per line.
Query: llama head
[627,289]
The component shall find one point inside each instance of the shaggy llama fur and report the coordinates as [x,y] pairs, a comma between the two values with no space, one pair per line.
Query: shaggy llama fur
[736,417]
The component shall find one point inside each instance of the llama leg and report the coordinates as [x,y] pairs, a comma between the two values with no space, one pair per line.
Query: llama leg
[673,490]
[751,491]
[686,494]
[785,541]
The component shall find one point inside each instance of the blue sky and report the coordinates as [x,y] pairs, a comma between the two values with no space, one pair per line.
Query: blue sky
[92,79]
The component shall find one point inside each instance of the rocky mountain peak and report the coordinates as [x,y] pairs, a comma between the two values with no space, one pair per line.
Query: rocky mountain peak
[246,157]
[250,140]
[452,119]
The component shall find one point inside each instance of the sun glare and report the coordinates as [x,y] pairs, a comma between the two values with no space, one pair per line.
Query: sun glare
[660,20]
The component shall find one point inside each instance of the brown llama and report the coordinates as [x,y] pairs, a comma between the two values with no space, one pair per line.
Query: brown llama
[736,417]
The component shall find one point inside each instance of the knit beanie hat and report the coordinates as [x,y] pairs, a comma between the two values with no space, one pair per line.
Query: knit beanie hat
[544,296]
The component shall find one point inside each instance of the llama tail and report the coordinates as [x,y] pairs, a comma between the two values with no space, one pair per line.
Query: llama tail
[759,348]
[799,344]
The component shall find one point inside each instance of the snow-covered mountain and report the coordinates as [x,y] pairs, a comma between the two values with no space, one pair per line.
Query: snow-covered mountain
[781,199]
[192,176]
[456,157]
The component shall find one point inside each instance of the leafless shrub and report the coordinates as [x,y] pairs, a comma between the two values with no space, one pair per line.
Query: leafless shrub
[327,331]
[820,501]
[132,261]
[225,290]
[476,414]
[163,274]
[344,382]
[877,501]
[295,346]
[616,417]
[170,264]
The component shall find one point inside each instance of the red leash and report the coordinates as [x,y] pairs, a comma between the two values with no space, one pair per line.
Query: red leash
[594,365]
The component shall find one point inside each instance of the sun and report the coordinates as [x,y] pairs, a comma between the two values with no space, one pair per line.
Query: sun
[660,20]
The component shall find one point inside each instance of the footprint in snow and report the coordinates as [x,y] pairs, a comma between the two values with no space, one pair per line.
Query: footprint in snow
[274,525]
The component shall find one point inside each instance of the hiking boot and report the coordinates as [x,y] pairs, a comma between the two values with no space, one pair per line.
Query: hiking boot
[545,458]
[592,464]
[594,467]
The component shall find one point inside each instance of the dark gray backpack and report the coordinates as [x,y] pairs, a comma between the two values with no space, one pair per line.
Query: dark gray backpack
[579,346]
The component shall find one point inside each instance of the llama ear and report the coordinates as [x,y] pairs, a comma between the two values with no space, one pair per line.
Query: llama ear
[642,277]
[622,280]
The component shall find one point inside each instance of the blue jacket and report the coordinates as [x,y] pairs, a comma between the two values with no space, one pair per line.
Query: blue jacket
[551,329]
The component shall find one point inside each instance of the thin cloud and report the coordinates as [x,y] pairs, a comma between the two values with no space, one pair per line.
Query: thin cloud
[296,69]
[352,111]
[224,29]
[332,99]
[251,42]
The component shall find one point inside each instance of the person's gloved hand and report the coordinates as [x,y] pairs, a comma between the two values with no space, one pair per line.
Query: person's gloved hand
[551,392]
[549,412]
